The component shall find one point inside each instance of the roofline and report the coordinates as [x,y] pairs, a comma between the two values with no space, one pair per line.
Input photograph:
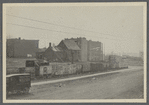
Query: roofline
[71,49]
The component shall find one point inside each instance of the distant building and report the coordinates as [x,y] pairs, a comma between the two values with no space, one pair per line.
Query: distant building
[21,48]
[89,50]
[95,51]
[116,61]
[74,49]
[66,51]
[141,55]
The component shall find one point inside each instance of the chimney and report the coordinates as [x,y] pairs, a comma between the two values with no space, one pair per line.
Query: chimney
[49,44]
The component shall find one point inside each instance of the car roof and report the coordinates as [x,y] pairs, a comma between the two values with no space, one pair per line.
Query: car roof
[11,75]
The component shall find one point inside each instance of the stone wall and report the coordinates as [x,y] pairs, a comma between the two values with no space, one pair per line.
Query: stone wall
[65,68]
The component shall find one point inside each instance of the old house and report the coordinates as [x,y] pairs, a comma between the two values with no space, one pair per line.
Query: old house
[53,54]
[70,50]
[65,51]
[21,48]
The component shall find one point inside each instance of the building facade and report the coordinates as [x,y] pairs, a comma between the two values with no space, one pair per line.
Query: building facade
[89,50]
[70,50]
[65,51]
[95,51]
[82,43]
[21,48]
[74,49]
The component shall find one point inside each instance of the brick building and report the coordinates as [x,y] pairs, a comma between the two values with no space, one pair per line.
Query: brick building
[95,51]
[21,48]
[89,50]
[74,49]
[65,51]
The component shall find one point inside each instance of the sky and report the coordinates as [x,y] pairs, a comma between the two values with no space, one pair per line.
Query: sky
[119,28]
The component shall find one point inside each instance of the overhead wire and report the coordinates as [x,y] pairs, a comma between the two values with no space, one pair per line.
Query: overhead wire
[57,31]
[60,25]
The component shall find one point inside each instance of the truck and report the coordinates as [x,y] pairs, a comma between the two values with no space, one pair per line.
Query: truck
[38,69]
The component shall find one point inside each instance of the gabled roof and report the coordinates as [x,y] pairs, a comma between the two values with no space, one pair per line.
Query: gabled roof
[71,45]
[55,48]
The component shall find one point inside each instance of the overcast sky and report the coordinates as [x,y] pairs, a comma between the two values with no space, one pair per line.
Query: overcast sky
[119,28]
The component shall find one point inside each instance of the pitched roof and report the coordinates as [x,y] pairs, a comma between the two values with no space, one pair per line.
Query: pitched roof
[55,48]
[71,45]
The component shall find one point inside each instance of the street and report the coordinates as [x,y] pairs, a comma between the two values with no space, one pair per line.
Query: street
[118,85]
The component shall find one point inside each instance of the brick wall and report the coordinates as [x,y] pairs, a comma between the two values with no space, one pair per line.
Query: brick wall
[21,48]
[95,51]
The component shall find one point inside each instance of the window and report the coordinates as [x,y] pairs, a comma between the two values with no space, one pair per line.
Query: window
[30,63]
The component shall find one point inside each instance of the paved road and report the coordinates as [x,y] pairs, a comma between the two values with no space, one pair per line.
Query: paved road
[118,85]
[80,77]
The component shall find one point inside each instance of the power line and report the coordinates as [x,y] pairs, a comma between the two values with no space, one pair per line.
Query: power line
[58,25]
[54,30]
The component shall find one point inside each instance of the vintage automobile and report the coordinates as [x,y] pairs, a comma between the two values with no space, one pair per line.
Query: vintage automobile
[18,83]
[39,68]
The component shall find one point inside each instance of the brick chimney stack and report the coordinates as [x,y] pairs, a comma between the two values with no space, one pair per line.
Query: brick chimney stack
[49,44]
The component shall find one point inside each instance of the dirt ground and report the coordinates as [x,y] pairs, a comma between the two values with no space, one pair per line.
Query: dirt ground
[122,85]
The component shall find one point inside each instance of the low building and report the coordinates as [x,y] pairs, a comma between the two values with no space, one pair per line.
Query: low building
[116,61]
[53,54]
